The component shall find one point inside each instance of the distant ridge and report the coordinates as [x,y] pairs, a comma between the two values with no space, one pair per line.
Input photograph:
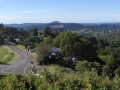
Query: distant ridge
[56,25]
[22,25]
[56,22]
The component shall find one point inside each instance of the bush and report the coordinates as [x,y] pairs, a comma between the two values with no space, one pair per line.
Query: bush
[117,71]
[41,59]
[83,66]
[63,81]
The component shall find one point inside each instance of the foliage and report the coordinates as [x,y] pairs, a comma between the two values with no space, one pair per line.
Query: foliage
[74,45]
[47,31]
[112,61]
[35,32]
[1,40]
[117,71]
[1,28]
[43,50]
[49,81]
[83,66]
[31,41]
[11,39]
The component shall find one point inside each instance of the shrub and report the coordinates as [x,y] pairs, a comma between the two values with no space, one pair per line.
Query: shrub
[117,71]
[83,66]
[88,80]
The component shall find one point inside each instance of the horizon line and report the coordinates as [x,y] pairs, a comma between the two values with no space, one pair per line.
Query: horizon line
[61,22]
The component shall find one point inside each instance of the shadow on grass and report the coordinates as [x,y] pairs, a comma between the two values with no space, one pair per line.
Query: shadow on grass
[59,62]
[4,63]
[1,76]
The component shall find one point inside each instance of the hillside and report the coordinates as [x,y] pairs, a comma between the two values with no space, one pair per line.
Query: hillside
[56,25]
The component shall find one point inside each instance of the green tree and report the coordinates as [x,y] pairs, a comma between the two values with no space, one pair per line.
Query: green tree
[47,31]
[43,51]
[83,66]
[35,32]
[11,39]
[48,40]
[66,41]
[1,28]
[112,61]
[74,45]
[1,40]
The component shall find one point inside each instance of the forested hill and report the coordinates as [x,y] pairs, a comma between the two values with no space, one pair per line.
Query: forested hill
[68,26]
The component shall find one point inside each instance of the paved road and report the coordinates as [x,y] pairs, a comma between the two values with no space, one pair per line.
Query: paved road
[20,66]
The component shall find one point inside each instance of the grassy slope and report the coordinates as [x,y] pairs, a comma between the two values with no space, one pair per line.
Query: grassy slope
[7,55]
[21,47]
[55,69]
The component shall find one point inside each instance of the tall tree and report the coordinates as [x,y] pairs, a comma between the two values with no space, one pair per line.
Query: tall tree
[43,50]
[1,40]
[47,31]
[35,32]
[112,61]
[1,28]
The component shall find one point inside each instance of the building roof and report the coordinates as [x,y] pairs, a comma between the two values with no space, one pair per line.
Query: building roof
[54,49]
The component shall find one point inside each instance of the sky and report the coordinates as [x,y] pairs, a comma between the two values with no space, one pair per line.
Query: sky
[67,11]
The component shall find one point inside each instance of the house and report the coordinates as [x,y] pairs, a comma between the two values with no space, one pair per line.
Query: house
[16,39]
[54,53]
[54,50]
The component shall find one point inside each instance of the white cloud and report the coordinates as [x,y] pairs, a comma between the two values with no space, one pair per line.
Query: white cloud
[34,11]
[64,18]
[15,19]
[111,15]
[23,12]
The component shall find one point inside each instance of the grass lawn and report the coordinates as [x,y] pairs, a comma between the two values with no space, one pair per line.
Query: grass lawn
[20,47]
[7,55]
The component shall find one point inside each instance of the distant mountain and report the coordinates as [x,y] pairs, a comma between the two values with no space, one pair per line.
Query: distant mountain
[53,25]
[56,25]
[55,22]
[90,24]
[22,25]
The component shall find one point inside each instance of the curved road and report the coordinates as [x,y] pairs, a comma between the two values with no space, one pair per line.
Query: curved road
[20,66]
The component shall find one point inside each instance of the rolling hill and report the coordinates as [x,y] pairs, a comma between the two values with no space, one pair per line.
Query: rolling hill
[56,25]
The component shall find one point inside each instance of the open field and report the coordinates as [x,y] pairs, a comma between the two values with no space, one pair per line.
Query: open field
[7,55]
